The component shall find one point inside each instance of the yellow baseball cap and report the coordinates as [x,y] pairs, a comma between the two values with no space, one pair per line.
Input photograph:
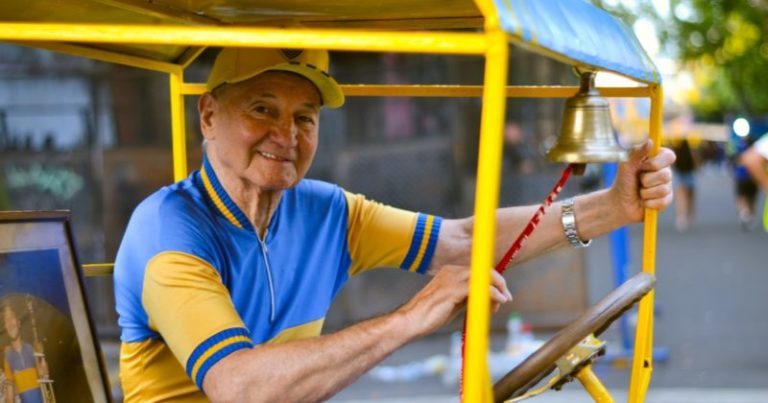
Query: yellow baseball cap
[233,65]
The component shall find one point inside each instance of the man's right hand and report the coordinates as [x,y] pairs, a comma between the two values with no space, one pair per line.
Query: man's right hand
[445,295]
[316,368]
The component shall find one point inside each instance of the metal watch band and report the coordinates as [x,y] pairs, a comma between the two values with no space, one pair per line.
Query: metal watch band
[569,225]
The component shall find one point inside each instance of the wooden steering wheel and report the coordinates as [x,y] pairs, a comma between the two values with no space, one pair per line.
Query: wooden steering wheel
[594,321]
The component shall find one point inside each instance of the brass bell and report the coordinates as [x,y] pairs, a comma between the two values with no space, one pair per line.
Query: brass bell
[586,133]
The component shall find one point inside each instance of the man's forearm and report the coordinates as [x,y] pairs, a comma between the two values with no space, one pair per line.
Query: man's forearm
[311,369]
[595,216]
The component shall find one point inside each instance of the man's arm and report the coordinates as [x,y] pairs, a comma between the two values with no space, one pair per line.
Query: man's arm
[641,182]
[317,368]
[755,164]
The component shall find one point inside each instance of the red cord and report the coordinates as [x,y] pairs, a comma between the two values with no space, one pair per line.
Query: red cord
[513,251]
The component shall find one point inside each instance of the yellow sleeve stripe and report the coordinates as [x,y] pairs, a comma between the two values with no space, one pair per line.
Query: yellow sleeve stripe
[216,199]
[213,349]
[423,245]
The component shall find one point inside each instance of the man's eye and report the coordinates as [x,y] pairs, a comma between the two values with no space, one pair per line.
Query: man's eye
[305,120]
[261,109]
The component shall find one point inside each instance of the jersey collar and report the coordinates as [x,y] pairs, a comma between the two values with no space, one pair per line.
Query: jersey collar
[221,199]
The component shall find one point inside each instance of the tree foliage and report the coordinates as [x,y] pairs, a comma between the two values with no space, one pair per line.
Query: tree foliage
[722,42]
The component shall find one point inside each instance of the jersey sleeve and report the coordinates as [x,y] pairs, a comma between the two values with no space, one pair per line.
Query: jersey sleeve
[384,236]
[190,307]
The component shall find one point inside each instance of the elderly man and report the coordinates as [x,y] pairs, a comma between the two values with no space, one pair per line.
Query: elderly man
[223,279]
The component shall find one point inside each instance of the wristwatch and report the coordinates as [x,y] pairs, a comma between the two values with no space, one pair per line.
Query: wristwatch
[569,225]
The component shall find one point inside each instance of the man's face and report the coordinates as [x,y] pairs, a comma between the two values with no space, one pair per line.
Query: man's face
[264,130]
[11,323]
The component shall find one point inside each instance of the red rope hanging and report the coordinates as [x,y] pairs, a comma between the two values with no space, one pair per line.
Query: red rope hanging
[514,250]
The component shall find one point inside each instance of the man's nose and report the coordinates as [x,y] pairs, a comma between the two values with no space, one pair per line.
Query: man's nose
[285,132]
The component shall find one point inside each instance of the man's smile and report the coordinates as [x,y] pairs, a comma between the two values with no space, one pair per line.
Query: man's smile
[273,157]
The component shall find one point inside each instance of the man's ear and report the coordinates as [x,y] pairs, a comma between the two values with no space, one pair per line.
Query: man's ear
[207,106]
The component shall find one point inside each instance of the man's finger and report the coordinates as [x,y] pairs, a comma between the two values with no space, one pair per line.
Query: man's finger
[656,192]
[498,281]
[658,204]
[650,179]
[663,159]
[640,151]
[499,296]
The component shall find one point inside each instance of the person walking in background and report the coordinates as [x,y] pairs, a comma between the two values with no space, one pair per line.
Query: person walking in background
[684,169]
[755,160]
[745,186]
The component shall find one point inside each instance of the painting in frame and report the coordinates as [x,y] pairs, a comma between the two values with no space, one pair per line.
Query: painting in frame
[50,353]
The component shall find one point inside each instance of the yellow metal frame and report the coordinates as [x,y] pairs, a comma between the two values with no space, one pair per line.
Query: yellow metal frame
[492,44]
[642,361]
[593,385]
[435,42]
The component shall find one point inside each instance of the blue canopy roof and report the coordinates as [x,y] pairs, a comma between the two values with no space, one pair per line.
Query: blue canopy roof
[578,33]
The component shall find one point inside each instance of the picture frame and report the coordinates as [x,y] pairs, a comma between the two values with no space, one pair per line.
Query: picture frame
[48,342]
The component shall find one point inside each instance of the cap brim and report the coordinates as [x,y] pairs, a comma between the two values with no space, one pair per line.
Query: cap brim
[332,95]
[330,91]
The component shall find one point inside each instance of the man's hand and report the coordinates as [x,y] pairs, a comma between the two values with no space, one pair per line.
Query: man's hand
[644,181]
[316,368]
[445,295]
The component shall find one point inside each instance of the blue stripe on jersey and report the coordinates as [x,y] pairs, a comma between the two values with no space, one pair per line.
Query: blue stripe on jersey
[418,234]
[213,350]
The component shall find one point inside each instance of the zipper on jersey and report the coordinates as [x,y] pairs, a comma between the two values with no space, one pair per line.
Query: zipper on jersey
[264,252]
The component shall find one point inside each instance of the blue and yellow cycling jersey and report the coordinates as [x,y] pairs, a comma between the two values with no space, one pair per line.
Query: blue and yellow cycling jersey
[194,282]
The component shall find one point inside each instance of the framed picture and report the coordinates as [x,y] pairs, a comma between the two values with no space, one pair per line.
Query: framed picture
[49,347]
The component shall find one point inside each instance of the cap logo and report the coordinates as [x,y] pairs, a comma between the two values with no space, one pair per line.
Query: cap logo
[291,54]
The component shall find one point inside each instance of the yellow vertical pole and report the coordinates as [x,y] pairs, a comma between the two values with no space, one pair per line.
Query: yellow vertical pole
[477,386]
[642,362]
[178,130]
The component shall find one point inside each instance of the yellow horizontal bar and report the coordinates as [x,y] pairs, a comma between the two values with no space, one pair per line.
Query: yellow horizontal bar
[422,42]
[459,91]
[192,89]
[103,55]
[98,269]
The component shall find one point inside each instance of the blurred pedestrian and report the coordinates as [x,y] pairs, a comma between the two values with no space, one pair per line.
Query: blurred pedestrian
[745,186]
[755,160]
[684,169]
[516,151]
